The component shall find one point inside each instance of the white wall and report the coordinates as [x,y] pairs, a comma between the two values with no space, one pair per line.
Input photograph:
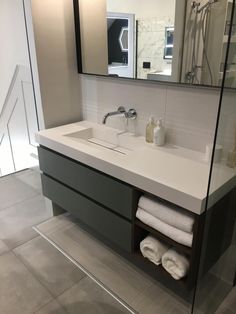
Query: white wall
[93,24]
[143,9]
[189,113]
[13,41]
[227,123]
[56,55]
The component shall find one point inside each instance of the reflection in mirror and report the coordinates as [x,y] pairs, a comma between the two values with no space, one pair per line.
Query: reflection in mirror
[169,43]
[205,42]
[120,37]
[181,41]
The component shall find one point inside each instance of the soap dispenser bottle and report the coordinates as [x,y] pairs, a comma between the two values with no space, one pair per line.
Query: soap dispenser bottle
[150,129]
[159,133]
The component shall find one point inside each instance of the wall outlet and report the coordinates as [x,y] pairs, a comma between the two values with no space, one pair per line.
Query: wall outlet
[146,65]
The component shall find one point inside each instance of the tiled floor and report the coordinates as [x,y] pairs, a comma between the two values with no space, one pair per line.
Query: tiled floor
[34,276]
[138,290]
[124,280]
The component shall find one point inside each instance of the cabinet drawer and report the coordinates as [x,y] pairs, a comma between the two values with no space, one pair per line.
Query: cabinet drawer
[101,220]
[101,188]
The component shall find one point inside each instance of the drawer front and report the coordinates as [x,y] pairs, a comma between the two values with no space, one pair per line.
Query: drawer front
[101,220]
[101,188]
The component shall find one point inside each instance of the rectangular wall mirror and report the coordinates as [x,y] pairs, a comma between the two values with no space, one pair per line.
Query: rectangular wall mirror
[180,41]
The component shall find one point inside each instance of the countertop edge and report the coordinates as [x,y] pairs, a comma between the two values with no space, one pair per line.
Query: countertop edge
[169,194]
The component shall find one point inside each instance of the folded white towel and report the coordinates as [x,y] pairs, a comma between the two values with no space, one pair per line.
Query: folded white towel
[175,234]
[171,214]
[153,249]
[175,264]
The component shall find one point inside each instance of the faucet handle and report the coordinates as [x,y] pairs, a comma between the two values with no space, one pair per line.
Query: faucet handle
[131,114]
[121,109]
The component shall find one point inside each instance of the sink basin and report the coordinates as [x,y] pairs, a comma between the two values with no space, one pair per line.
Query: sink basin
[105,137]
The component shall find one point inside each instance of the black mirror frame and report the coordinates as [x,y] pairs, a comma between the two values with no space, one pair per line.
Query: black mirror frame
[80,63]
[77,36]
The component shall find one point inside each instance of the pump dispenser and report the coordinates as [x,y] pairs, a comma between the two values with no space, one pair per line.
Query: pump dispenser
[150,129]
[159,133]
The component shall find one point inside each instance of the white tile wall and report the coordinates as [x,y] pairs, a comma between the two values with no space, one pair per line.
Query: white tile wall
[151,42]
[103,95]
[227,122]
[189,113]
[191,116]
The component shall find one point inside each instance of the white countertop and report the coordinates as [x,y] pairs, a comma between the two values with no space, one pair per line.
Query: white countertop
[173,173]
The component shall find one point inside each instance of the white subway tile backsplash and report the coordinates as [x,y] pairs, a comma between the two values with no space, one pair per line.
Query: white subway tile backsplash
[111,93]
[227,124]
[189,113]
[191,116]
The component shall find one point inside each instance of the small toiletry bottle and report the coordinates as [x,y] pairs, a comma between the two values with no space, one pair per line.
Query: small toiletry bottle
[159,133]
[150,129]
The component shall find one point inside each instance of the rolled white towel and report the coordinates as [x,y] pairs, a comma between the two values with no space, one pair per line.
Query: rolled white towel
[175,234]
[153,249]
[171,214]
[175,264]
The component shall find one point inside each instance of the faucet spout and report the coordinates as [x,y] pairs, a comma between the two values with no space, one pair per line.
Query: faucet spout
[120,111]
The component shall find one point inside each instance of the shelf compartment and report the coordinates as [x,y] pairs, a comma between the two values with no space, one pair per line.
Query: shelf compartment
[181,248]
[157,270]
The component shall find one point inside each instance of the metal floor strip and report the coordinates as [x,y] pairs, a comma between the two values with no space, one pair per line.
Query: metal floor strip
[91,276]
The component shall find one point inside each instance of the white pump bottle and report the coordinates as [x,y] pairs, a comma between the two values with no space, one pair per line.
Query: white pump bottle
[159,133]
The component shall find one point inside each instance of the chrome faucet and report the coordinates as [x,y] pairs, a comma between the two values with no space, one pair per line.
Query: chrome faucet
[130,114]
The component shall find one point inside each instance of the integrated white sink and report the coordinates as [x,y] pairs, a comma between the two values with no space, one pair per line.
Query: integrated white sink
[172,173]
[103,137]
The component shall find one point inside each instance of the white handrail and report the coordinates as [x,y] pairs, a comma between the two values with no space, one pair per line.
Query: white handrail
[21,74]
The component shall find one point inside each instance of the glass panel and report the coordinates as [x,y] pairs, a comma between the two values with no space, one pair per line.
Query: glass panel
[217,268]
[18,116]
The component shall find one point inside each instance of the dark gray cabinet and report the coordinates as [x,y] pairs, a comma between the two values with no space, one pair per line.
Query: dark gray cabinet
[107,207]
[108,191]
[101,220]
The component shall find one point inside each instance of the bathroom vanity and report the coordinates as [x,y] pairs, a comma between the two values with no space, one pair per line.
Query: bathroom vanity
[98,175]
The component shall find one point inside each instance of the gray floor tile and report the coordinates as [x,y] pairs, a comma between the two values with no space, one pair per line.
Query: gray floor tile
[225,266]
[14,191]
[30,177]
[131,286]
[222,310]
[211,292]
[122,278]
[230,301]
[3,247]
[157,299]
[52,308]
[20,292]
[20,237]
[179,311]
[16,222]
[87,297]
[52,268]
